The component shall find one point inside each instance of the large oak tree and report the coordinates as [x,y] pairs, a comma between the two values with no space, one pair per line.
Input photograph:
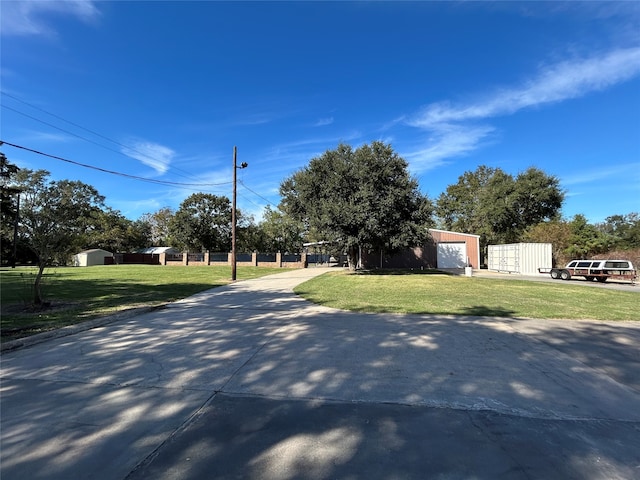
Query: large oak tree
[362,198]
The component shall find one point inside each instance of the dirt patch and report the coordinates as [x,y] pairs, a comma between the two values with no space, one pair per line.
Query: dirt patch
[30,314]
[30,309]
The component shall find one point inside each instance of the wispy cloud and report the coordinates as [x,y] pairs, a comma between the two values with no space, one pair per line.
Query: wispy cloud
[449,141]
[626,171]
[151,154]
[38,136]
[255,119]
[555,83]
[454,128]
[136,208]
[292,155]
[322,122]
[30,17]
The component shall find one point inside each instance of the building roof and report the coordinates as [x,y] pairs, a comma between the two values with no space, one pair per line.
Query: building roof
[94,250]
[454,233]
[159,250]
[317,244]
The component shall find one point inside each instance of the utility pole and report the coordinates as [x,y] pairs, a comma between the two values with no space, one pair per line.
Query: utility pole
[16,222]
[233,214]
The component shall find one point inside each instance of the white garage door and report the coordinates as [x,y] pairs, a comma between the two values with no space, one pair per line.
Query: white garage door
[452,255]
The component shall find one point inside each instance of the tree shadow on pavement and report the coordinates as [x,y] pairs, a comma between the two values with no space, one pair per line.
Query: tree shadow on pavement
[611,348]
[257,438]
[485,311]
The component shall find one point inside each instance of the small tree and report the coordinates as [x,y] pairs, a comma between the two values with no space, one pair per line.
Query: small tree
[52,216]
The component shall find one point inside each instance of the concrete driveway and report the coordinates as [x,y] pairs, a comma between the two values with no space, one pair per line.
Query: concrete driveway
[250,381]
[610,284]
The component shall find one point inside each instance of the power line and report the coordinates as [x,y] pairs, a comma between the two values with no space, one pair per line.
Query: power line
[61,129]
[128,148]
[58,117]
[113,172]
[249,200]
[161,182]
[256,194]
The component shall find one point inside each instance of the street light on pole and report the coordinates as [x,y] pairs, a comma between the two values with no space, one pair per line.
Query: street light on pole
[233,214]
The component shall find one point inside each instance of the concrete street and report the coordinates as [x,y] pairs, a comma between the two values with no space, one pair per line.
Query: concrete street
[249,381]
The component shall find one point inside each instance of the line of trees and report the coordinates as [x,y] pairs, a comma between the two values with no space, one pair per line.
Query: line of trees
[358,199]
[527,208]
[577,238]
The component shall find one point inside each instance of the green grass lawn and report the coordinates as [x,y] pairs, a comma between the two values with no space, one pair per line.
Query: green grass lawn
[78,294]
[437,293]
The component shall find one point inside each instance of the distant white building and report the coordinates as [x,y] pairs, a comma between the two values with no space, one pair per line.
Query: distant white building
[87,258]
[159,250]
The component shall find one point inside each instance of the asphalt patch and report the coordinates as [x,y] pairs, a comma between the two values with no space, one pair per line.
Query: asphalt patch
[259,438]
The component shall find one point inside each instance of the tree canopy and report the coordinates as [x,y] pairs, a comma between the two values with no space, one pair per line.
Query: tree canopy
[9,195]
[53,216]
[498,207]
[158,224]
[203,222]
[112,231]
[362,198]
[623,230]
[281,232]
[577,238]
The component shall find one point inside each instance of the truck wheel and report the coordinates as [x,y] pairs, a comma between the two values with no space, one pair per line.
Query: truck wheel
[589,278]
[602,279]
[565,275]
[555,274]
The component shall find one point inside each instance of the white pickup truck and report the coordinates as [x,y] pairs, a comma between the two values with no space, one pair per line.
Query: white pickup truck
[598,270]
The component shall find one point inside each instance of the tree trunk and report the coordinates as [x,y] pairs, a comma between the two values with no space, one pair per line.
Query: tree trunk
[37,284]
[352,257]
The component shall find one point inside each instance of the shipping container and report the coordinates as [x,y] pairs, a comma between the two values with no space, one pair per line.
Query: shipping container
[521,258]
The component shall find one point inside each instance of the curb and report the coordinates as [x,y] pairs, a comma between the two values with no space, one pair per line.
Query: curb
[26,342]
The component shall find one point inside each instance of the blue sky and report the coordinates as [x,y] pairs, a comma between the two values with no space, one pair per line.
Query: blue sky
[165,90]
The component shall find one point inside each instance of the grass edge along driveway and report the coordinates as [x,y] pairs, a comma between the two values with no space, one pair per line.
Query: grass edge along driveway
[443,294]
[77,294]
